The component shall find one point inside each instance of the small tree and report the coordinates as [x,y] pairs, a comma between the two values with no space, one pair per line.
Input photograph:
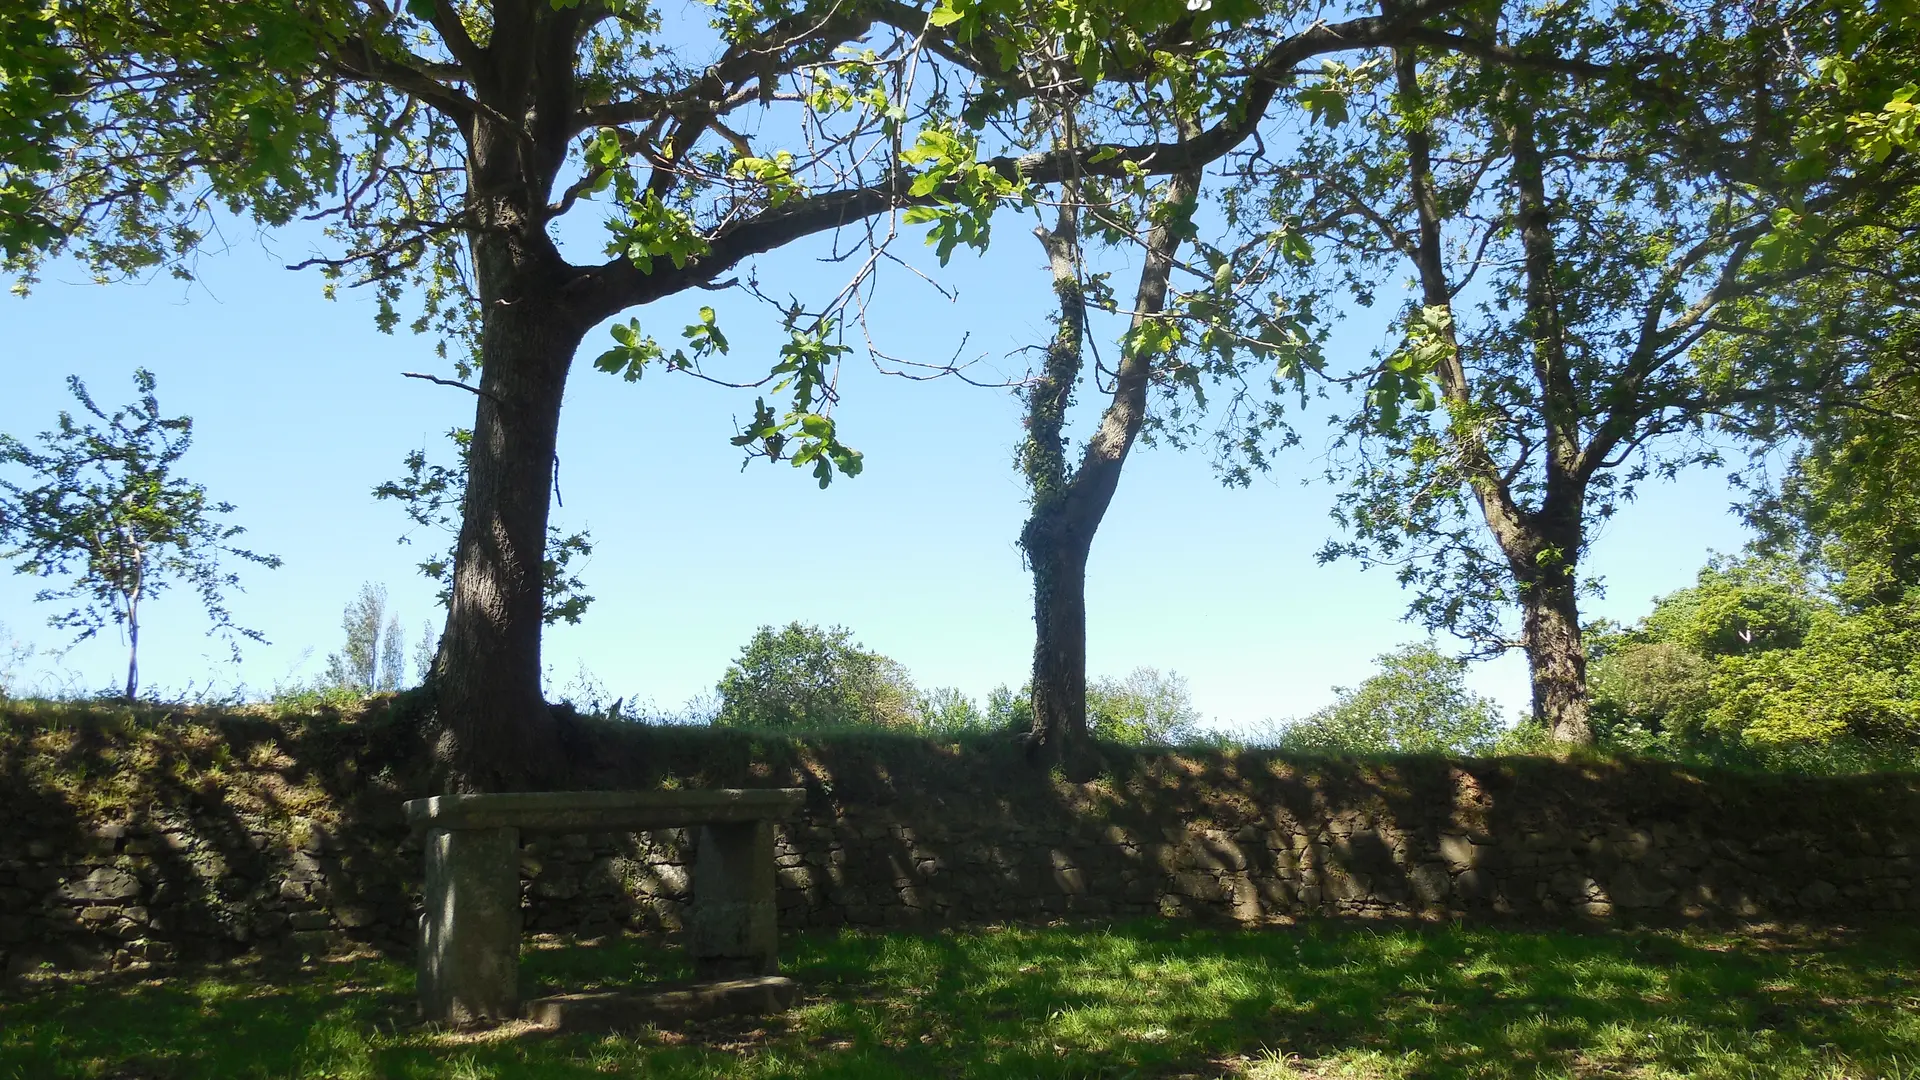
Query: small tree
[105,508]
[1418,703]
[373,660]
[1148,706]
[803,677]
[14,654]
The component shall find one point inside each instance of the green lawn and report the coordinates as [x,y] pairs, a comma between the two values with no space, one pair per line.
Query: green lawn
[1135,999]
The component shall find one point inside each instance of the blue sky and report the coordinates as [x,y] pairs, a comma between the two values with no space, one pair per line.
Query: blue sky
[300,409]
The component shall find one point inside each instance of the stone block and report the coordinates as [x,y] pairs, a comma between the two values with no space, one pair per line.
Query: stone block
[1819,894]
[1429,883]
[734,928]
[1630,889]
[1341,885]
[355,916]
[104,884]
[1198,885]
[1458,851]
[470,930]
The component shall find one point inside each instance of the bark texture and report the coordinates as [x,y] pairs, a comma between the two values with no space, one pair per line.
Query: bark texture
[496,730]
[1557,659]
[499,731]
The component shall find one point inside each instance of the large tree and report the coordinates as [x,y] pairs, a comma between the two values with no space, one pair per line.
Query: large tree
[444,144]
[1211,335]
[1573,242]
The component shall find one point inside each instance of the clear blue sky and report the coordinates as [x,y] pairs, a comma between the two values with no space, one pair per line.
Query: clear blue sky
[300,409]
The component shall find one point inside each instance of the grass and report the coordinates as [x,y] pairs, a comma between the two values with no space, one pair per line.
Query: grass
[1128,1000]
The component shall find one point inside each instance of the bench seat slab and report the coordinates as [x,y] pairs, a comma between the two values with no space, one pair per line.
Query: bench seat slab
[603,811]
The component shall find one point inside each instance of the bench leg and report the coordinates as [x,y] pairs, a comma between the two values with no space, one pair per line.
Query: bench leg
[733,931]
[470,930]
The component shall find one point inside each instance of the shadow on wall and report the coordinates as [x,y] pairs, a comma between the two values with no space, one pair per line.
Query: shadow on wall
[147,835]
[129,837]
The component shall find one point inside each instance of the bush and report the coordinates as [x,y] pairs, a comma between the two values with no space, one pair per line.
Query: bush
[1417,704]
[1008,711]
[1751,657]
[1146,707]
[1649,692]
[946,710]
[804,678]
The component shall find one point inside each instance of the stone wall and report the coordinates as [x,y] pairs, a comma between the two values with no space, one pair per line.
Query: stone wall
[296,844]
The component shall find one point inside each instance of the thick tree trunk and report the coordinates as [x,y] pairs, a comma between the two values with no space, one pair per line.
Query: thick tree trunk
[1556,658]
[497,732]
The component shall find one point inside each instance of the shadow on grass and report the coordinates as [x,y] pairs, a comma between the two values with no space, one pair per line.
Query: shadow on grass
[1135,999]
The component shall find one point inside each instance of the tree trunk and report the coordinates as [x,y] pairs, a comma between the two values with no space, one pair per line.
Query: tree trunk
[497,732]
[1542,546]
[1059,635]
[1556,657]
[133,647]
[1068,507]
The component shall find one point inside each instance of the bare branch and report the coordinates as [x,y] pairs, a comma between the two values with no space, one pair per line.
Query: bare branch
[458,386]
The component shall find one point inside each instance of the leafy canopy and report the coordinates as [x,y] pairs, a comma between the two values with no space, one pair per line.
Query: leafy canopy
[802,677]
[433,494]
[1417,703]
[1757,654]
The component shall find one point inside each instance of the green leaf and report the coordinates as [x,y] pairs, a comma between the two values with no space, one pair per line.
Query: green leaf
[926,183]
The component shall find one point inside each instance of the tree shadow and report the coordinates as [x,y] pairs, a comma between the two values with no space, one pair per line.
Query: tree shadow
[287,836]
[1140,998]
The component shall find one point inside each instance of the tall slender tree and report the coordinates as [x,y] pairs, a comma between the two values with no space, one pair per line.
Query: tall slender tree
[99,501]
[373,658]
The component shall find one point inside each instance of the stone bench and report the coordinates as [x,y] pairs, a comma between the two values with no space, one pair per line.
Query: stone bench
[470,928]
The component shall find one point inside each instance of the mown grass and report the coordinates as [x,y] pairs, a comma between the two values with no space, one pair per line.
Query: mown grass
[1129,1000]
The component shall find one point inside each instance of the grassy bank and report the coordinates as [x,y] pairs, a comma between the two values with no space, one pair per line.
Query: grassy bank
[1144,999]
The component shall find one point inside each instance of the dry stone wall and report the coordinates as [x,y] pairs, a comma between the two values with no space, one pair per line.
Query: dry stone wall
[902,834]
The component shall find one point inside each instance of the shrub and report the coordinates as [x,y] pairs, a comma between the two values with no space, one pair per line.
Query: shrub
[803,677]
[1147,706]
[1418,703]
[946,710]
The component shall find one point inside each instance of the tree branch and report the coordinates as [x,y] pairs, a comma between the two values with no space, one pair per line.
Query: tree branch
[616,285]
[453,383]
